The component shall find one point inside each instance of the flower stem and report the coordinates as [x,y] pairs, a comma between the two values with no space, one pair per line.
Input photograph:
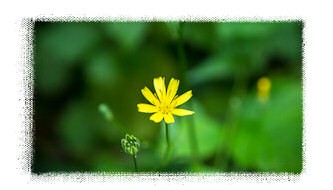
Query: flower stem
[136,167]
[167,137]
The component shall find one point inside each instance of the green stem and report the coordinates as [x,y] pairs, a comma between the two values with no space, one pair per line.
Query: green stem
[167,137]
[167,155]
[136,167]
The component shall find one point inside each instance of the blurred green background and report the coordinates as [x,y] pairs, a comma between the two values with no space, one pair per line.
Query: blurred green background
[238,126]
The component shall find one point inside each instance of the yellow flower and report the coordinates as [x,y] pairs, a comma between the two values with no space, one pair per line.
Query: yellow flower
[264,87]
[164,101]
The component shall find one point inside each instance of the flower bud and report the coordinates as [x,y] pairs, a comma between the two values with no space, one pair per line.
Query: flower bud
[130,144]
[105,110]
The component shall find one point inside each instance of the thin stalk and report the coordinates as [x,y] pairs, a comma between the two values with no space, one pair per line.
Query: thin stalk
[167,155]
[167,137]
[136,167]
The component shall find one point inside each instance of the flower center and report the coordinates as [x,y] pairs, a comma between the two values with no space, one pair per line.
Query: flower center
[164,109]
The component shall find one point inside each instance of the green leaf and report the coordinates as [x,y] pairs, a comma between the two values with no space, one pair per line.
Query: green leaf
[212,69]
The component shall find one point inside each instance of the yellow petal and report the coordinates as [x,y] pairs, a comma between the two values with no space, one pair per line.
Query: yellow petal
[156,117]
[147,108]
[172,89]
[160,88]
[183,98]
[182,112]
[168,118]
[150,96]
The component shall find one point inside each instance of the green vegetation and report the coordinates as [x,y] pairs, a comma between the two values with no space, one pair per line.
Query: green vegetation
[88,81]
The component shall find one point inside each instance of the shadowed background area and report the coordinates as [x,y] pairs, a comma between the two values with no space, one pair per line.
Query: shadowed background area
[246,80]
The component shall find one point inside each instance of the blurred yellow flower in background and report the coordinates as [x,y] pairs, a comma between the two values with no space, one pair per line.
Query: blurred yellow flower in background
[164,101]
[264,87]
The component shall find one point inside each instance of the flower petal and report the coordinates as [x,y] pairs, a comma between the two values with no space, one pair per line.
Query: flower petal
[182,112]
[156,117]
[172,89]
[150,96]
[183,98]
[168,118]
[147,108]
[159,85]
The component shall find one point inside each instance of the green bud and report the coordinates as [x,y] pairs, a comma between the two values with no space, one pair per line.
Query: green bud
[130,144]
[105,110]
